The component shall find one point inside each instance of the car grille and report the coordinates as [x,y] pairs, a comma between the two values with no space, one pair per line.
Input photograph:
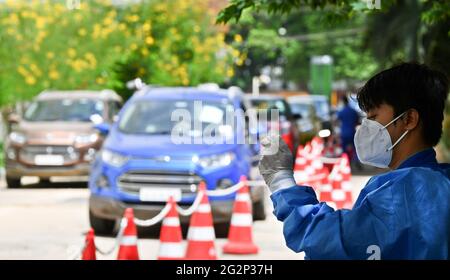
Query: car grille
[28,153]
[132,181]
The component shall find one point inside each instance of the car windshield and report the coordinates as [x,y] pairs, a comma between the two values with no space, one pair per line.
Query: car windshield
[161,116]
[322,107]
[270,104]
[301,108]
[76,110]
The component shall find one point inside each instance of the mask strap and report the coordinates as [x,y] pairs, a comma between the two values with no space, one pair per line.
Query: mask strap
[399,116]
[399,139]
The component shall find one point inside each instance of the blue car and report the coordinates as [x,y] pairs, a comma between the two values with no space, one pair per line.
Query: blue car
[151,153]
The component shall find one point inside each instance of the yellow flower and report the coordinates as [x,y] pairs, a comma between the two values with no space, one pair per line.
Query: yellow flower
[122,26]
[149,40]
[100,80]
[54,75]
[50,55]
[144,51]
[107,21]
[71,52]
[82,32]
[22,71]
[133,46]
[146,27]
[230,72]
[238,38]
[11,31]
[40,22]
[30,80]
[141,71]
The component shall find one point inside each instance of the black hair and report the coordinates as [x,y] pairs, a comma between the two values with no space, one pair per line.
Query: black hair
[410,86]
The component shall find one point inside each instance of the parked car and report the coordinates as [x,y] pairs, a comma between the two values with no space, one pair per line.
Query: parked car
[309,124]
[288,121]
[140,164]
[56,135]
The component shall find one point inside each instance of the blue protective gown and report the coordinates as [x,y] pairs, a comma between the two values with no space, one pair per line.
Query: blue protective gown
[405,212]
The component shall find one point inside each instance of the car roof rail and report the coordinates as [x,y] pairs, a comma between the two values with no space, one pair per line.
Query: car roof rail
[209,86]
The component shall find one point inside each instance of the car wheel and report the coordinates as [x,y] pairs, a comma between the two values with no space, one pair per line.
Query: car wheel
[259,210]
[221,229]
[13,183]
[44,181]
[100,225]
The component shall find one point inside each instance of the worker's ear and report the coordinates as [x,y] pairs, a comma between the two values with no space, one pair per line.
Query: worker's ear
[411,119]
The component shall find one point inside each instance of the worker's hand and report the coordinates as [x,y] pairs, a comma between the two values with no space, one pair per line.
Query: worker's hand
[276,163]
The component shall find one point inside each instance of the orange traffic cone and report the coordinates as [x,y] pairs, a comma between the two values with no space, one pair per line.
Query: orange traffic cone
[89,249]
[171,240]
[240,240]
[128,244]
[300,175]
[201,231]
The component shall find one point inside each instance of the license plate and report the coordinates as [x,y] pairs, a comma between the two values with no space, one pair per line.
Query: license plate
[49,160]
[159,194]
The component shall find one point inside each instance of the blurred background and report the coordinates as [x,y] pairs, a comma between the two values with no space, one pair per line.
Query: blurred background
[303,57]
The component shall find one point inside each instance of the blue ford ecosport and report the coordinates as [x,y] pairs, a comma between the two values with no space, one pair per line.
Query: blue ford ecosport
[141,163]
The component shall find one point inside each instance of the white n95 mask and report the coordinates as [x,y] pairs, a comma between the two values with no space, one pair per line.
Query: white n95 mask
[373,143]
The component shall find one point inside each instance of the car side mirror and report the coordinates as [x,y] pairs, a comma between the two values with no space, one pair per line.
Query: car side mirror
[13,118]
[103,128]
[297,116]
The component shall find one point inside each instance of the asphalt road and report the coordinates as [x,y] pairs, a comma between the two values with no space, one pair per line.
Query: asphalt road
[48,221]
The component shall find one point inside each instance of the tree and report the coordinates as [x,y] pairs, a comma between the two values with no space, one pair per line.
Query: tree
[46,44]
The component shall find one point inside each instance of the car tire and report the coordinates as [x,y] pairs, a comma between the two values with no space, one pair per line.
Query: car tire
[13,183]
[221,229]
[44,181]
[259,210]
[100,225]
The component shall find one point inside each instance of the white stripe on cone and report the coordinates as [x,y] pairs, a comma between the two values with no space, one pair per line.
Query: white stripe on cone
[171,250]
[346,186]
[338,195]
[332,204]
[204,208]
[128,240]
[242,197]
[171,222]
[201,233]
[326,188]
[241,219]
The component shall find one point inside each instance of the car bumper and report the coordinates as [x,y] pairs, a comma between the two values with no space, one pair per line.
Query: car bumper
[18,170]
[109,208]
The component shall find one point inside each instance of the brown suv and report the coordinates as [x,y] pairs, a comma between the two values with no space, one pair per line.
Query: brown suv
[56,135]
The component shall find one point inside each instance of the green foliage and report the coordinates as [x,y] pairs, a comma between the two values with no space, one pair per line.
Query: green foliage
[307,35]
[46,45]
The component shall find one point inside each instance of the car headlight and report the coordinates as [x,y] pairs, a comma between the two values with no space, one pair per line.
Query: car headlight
[113,158]
[18,137]
[86,139]
[215,161]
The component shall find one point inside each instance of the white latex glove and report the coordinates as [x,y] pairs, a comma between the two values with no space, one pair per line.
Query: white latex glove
[276,163]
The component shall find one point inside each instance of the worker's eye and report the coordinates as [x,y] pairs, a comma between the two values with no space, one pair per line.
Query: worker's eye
[371,117]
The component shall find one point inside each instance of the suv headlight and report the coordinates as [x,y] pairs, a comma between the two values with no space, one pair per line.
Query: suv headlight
[18,137]
[215,161]
[86,139]
[113,158]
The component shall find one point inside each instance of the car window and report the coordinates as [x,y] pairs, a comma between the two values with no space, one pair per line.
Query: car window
[65,109]
[113,109]
[155,116]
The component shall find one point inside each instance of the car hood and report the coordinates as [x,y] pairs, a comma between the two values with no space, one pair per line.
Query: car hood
[57,133]
[160,145]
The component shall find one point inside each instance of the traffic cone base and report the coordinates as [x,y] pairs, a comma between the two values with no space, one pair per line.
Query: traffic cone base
[128,249]
[240,240]
[89,250]
[171,240]
[201,234]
